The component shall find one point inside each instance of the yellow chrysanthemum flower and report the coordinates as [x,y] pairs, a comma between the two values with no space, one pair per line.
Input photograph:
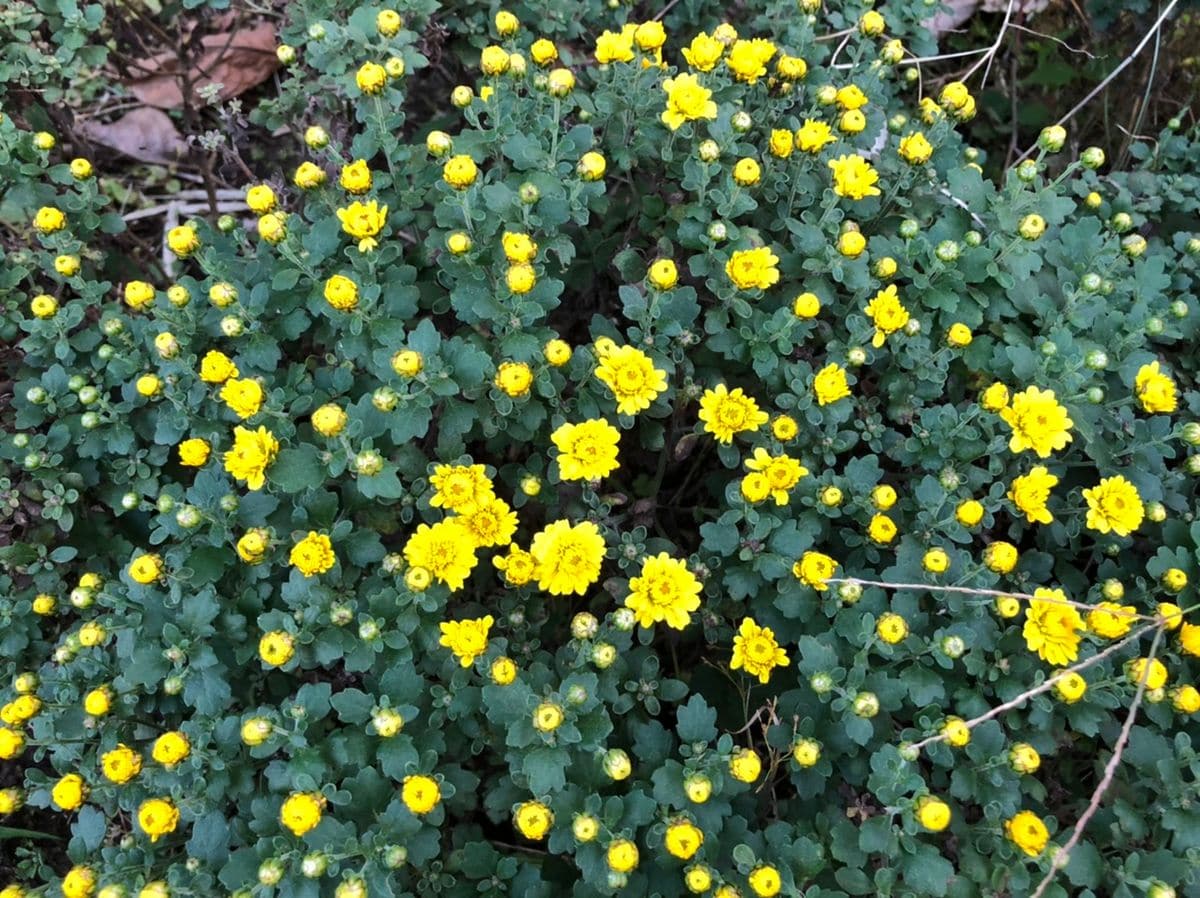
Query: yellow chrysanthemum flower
[853,177]
[665,591]
[725,413]
[887,313]
[704,52]
[446,549]
[782,472]
[490,523]
[301,812]
[814,569]
[460,487]
[586,451]
[829,384]
[755,651]
[1114,506]
[1052,627]
[632,377]
[568,557]
[753,269]
[467,639]
[1038,422]
[313,555]
[687,101]
[1154,389]
[1030,492]
[251,455]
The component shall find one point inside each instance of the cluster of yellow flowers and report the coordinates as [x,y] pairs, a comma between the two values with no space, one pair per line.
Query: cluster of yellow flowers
[566,556]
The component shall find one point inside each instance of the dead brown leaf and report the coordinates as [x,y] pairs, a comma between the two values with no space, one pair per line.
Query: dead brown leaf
[236,60]
[146,134]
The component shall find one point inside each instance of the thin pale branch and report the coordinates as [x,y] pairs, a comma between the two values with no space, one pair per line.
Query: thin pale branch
[1113,74]
[1064,855]
[1042,687]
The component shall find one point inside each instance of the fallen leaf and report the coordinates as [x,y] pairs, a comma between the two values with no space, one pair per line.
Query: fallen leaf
[236,60]
[146,134]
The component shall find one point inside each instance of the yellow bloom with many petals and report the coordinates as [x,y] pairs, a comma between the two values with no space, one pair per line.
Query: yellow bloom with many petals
[683,839]
[356,177]
[830,385]
[518,247]
[244,397]
[1038,422]
[1027,831]
[704,52]
[1109,620]
[781,473]
[687,101]
[887,313]
[813,135]
[915,149]
[121,764]
[158,817]
[1030,492]
[420,794]
[341,293]
[69,792]
[850,98]
[460,172]
[753,269]
[194,452]
[632,377]
[313,555]
[518,565]
[725,413]
[301,812]
[748,59]
[665,591]
[371,78]
[533,820]
[460,487]
[514,379]
[1114,506]
[586,451]
[276,648]
[363,222]
[814,569]
[146,569]
[882,529]
[1052,627]
[622,856]
[568,557]
[48,220]
[170,748]
[445,549]
[853,177]
[251,455]
[216,367]
[80,882]
[1154,389]
[490,523]
[755,651]
[467,639]
[615,46]
[252,546]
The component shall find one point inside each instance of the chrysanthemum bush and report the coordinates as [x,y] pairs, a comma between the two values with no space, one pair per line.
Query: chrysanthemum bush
[673,469]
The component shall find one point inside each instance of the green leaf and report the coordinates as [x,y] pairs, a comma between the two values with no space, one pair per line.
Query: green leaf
[696,721]
[546,769]
[353,705]
[928,872]
[296,469]
[210,838]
